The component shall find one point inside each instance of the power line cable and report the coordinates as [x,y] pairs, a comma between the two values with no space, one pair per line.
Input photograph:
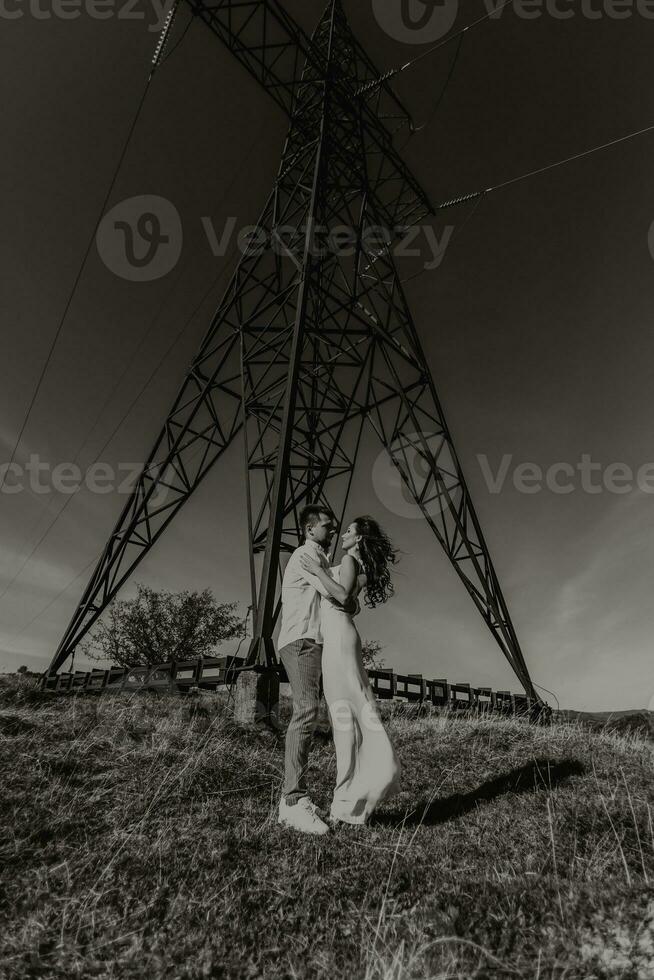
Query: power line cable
[558,706]
[478,196]
[432,115]
[49,605]
[117,428]
[107,401]
[78,277]
[221,275]
[393,72]
[541,170]
[79,574]
[97,557]
[180,39]
[156,61]
[421,272]
[27,625]
[136,350]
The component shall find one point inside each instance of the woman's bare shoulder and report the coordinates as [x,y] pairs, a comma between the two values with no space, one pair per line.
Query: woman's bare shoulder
[349,561]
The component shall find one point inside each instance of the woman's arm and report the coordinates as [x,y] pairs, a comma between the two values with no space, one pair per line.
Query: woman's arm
[315,582]
[348,586]
[351,606]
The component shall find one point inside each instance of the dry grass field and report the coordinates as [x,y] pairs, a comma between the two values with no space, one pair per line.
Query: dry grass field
[139,840]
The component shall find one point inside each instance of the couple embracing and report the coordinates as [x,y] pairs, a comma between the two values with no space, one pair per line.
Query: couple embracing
[318,636]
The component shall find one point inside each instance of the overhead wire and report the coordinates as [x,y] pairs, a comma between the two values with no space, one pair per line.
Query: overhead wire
[394,72]
[414,130]
[121,422]
[58,596]
[217,279]
[96,558]
[570,159]
[458,233]
[215,282]
[464,198]
[156,61]
[107,401]
[558,706]
[62,592]
[55,598]
[180,38]
[479,196]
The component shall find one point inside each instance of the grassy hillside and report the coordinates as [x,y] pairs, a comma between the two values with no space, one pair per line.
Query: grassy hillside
[632,720]
[139,842]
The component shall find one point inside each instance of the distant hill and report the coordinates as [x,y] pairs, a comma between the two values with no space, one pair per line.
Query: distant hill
[631,720]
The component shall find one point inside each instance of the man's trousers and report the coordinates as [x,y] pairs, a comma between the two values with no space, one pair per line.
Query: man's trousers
[302,661]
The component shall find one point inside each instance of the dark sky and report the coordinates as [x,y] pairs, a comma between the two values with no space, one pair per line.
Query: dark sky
[537,324]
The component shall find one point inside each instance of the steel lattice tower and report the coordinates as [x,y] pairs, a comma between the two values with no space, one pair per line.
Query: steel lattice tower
[313,343]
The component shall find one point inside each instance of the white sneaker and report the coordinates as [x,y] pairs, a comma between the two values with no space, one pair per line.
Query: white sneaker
[335,822]
[301,816]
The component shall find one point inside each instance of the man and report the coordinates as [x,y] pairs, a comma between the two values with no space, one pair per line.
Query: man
[300,651]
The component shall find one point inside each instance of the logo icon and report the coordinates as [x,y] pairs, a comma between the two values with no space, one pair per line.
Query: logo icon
[416,21]
[140,239]
[406,471]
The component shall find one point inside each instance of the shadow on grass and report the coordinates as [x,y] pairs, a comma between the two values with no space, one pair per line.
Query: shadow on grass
[539,774]
[13,725]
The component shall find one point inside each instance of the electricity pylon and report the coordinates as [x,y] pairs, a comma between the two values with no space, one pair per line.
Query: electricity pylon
[313,343]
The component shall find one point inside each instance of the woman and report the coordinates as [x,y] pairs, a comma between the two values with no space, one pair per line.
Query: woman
[367,767]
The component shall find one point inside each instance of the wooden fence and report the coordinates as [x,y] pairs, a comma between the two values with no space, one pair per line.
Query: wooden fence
[209,673]
[213,673]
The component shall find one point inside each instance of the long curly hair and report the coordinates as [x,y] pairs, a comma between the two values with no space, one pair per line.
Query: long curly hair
[377,553]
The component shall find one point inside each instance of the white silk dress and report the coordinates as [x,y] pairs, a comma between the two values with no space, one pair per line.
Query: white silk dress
[367,766]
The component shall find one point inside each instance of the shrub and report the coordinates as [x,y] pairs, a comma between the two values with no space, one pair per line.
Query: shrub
[156,627]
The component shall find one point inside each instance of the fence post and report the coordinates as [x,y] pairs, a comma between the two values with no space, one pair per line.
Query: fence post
[438,699]
[420,678]
[462,703]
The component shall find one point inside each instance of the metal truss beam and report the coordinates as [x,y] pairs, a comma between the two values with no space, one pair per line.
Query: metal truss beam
[275,51]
